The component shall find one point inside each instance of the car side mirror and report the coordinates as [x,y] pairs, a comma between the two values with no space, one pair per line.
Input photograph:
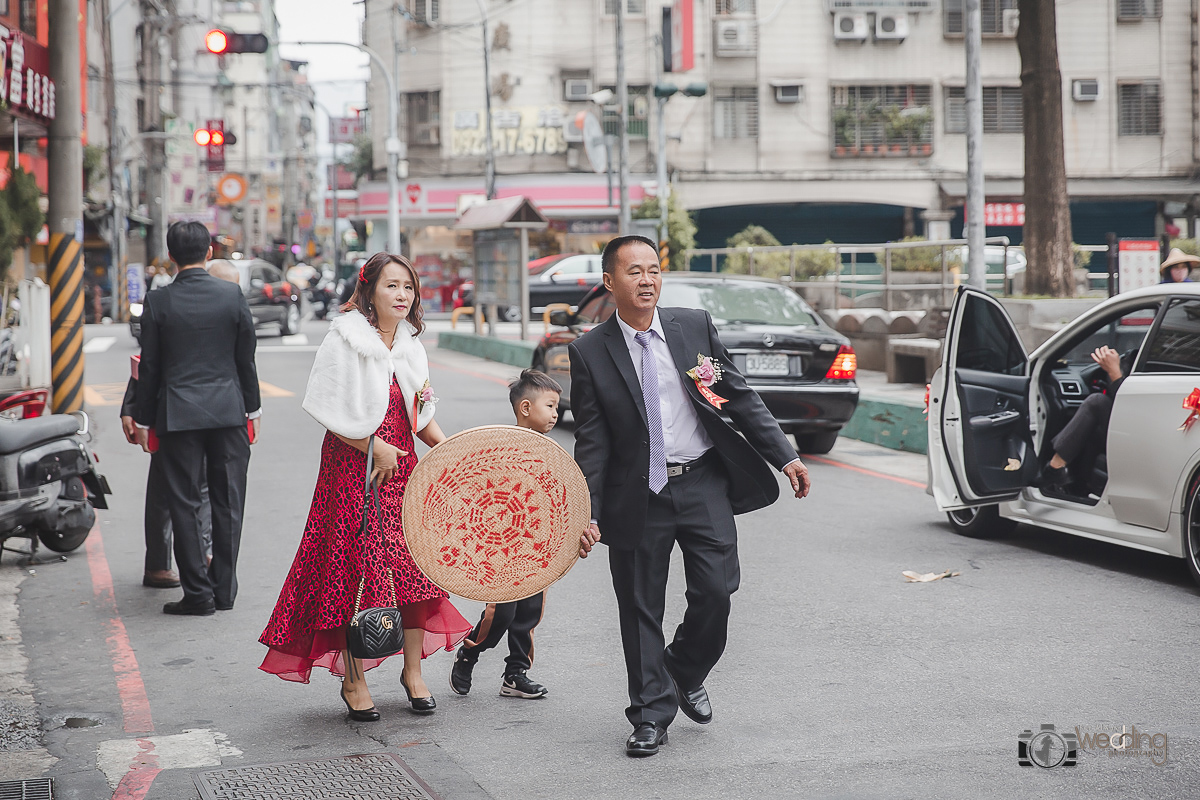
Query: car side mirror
[562,318]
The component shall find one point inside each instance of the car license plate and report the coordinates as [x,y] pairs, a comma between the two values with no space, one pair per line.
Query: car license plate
[766,364]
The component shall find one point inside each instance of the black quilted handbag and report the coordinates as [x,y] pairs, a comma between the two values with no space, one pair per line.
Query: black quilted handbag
[373,632]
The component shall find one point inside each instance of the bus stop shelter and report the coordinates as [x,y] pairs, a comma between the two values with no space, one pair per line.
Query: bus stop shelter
[500,244]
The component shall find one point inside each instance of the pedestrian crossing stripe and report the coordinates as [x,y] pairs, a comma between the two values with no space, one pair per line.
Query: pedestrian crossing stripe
[111,394]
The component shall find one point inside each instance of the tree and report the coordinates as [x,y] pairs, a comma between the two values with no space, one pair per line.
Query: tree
[362,160]
[681,228]
[771,265]
[1047,209]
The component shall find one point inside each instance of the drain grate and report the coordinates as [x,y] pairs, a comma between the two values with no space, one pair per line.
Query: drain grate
[33,789]
[374,776]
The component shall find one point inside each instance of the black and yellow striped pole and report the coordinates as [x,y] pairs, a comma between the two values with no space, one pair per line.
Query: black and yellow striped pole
[65,215]
[65,271]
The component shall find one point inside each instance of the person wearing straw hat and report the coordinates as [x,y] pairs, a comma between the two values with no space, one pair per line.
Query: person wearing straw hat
[663,467]
[1178,267]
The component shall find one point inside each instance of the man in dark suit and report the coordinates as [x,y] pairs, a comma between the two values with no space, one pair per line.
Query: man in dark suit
[663,467]
[197,385]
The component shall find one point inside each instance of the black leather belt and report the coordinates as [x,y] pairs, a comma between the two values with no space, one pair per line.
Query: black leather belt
[675,470]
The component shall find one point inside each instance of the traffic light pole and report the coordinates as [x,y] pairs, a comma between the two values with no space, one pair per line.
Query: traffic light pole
[392,145]
[65,217]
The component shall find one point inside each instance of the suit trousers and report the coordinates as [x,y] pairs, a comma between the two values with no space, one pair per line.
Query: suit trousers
[517,619]
[157,518]
[692,509]
[222,455]
[1089,426]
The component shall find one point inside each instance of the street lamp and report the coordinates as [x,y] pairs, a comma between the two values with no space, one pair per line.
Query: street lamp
[393,144]
[663,92]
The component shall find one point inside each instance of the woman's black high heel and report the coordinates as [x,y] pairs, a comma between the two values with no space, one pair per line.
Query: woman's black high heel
[363,715]
[420,705]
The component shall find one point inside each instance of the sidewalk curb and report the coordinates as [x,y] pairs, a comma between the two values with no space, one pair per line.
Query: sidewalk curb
[15,688]
[889,422]
[506,351]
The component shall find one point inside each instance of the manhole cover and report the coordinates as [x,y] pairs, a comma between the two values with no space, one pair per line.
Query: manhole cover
[34,789]
[375,776]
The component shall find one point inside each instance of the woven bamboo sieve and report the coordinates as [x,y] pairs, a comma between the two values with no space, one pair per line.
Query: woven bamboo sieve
[495,513]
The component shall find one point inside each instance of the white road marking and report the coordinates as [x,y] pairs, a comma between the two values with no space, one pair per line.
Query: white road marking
[100,344]
[295,340]
[187,750]
[284,348]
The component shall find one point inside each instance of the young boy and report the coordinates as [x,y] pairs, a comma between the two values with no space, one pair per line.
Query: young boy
[534,397]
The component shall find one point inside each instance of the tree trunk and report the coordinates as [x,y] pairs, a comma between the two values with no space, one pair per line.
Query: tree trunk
[1047,210]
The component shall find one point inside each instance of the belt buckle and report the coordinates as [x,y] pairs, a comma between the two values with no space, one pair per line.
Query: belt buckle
[674,471]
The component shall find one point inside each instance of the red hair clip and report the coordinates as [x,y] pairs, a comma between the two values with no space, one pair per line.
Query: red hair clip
[362,274]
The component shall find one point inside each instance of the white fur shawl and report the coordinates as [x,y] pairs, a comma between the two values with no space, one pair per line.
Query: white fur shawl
[349,385]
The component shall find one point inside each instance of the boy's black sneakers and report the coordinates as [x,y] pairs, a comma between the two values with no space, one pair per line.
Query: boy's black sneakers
[460,673]
[517,684]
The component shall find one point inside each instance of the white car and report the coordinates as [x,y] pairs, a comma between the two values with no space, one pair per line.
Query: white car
[993,412]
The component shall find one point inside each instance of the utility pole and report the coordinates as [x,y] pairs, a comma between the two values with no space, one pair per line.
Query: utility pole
[489,175]
[115,180]
[623,223]
[65,219]
[973,92]
[664,190]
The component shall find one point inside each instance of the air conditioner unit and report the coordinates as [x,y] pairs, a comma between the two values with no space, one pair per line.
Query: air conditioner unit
[1009,21]
[734,37]
[788,91]
[577,90]
[1085,90]
[891,26]
[571,130]
[850,26]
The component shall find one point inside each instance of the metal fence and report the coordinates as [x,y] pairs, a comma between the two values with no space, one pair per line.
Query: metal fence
[865,276]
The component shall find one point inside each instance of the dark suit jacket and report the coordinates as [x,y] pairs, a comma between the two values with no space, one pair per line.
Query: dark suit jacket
[197,369]
[612,443]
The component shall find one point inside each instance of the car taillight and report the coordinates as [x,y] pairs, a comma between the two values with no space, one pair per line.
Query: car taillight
[844,365]
[287,288]
[31,404]
[268,291]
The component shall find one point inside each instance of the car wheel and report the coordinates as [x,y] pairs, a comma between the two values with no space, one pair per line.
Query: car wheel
[1191,529]
[508,313]
[816,443]
[984,522]
[291,323]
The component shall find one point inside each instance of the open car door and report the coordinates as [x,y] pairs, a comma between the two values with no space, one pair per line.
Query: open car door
[980,446]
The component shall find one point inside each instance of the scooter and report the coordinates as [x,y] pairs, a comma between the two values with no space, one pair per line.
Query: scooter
[49,484]
[323,296]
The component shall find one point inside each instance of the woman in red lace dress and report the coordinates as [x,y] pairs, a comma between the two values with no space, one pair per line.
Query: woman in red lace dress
[370,376]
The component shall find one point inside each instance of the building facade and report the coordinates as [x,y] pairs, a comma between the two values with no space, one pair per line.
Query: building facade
[830,119]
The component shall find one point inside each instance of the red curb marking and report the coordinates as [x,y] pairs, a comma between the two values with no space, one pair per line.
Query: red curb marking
[870,472]
[135,705]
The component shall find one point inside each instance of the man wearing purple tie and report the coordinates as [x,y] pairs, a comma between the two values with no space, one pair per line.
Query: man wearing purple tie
[663,466]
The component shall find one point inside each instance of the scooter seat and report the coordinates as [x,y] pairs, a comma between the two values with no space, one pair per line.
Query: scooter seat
[22,433]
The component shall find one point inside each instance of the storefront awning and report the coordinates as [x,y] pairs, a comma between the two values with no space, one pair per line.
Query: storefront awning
[1093,188]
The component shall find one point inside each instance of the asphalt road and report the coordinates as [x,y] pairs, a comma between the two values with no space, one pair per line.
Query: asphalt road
[840,679]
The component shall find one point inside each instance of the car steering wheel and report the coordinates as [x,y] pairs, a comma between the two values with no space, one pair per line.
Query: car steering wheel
[1096,379]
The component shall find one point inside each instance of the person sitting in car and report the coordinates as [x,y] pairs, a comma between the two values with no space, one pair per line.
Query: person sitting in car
[1089,424]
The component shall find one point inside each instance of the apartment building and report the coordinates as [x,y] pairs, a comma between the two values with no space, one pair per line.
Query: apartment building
[823,119]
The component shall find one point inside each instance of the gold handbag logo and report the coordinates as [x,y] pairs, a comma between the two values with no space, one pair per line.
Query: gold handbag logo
[387,623]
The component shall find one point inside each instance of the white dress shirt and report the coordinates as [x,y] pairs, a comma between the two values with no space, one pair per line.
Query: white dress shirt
[683,434]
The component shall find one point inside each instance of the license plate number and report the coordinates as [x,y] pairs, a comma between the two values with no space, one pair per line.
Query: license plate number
[766,364]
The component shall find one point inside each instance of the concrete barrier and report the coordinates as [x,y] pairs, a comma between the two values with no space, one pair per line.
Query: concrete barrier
[506,351]
[890,422]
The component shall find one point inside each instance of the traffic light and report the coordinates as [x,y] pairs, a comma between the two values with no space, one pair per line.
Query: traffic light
[664,255]
[212,138]
[222,42]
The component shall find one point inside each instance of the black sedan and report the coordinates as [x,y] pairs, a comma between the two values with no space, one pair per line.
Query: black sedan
[272,300]
[803,369]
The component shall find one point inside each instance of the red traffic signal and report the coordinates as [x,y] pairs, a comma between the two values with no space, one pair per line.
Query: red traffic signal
[222,42]
[202,137]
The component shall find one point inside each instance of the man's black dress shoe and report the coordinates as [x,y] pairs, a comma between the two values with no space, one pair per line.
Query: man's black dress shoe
[694,703]
[645,739]
[181,607]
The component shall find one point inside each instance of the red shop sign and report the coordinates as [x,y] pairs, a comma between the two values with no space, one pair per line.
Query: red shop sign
[25,83]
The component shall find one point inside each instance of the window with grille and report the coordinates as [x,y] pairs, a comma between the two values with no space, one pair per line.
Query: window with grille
[735,112]
[631,7]
[638,119]
[424,118]
[992,16]
[1002,109]
[426,12]
[1138,9]
[724,7]
[882,120]
[1139,109]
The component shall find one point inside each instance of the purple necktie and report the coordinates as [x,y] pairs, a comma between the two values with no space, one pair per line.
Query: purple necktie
[658,447]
